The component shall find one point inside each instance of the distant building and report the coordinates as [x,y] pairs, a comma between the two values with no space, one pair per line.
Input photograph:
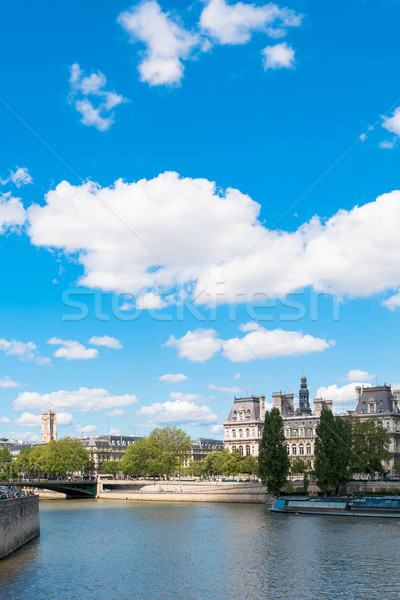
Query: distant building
[244,426]
[381,403]
[107,448]
[201,447]
[15,446]
[49,426]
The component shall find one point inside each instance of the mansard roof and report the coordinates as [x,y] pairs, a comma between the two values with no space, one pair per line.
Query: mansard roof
[381,395]
[250,406]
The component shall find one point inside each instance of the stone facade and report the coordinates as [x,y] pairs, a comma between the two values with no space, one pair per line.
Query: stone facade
[243,427]
[49,426]
[19,523]
[200,448]
[107,448]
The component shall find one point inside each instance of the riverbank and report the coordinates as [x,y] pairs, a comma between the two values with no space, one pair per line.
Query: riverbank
[19,523]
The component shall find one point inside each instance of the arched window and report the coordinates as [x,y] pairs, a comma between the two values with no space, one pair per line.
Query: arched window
[240,433]
[288,449]
[233,448]
[294,449]
[301,449]
[247,450]
[233,433]
[241,450]
[247,432]
[252,450]
[308,448]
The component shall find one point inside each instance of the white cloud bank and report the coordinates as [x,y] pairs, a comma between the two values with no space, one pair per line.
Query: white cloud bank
[225,390]
[12,213]
[357,375]
[191,237]
[19,177]
[81,400]
[343,397]
[72,350]
[6,382]
[106,341]
[91,99]
[28,419]
[168,43]
[23,350]
[259,343]
[181,410]
[173,377]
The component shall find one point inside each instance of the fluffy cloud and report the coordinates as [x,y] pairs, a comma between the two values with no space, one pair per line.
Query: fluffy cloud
[26,436]
[392,123]
[12,212]
[235,23]
[19,177]
[82,400]
[167,42]
[280,56]
[98,110]
[393,302]
[344,397]
[171,218]
[387,144]
[86,428]
[6,382]
[28,419]
[178,411]
[258,343]
[217,428]
[24,351]
[173,378]
[198,346]
[225,390]
[357,375]
[5,420]
[72,350]
[106,341]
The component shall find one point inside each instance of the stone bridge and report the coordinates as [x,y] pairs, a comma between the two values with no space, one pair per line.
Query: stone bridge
[87,488]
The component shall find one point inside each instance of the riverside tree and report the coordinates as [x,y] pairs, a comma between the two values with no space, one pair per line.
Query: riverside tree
[370,445]
[273,460]
[57,458]
[333,452]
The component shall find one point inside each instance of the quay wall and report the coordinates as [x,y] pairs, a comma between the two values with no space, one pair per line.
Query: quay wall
[19,522]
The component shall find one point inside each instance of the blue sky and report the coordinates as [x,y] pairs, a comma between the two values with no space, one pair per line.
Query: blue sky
[256,153]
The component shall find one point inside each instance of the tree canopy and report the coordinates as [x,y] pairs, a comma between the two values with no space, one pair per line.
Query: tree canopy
[333,452]
[273,459]
[370,445]
[57,458]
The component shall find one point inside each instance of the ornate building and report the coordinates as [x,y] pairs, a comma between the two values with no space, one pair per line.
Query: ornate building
[243,427]
[200,448]
[49,426]
[107,448]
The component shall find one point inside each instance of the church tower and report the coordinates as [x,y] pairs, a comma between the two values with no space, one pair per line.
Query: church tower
[304,397]
[49,426]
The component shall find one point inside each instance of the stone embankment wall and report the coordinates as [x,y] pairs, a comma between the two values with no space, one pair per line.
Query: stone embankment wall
[19,523]
[194,492]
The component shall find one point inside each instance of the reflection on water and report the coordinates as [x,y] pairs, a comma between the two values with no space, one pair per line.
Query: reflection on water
[109,550]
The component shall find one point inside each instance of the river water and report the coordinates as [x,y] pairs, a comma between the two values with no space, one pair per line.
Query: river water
[109,550]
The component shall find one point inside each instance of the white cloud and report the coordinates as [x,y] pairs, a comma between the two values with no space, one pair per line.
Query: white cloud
[12,212]
[393,302]
[262,343]
[82,400]
[198,346]
[24,351]
[242,259]
[5,420]
[117,412]
[86,428]
[178,411]
[28,420]
[167,42]
[114,431]
[26,436]
[357,375]
[173,378]
[237,376]
[106,341]
[98,111]
[280,56]
[235,23]
[387,144]
[21,176]
[392,123]
[6,382]
[225,390]
[344,397]
[217,428]
[72,350]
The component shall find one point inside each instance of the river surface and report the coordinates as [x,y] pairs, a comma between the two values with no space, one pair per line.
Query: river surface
[109,550]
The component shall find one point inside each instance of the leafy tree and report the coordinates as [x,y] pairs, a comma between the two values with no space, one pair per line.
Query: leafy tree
[299,467]
[110,467]
[136,460]
[196,468]
[273,459]
[61,457]
[214,462]
[233,464]
[250,465]
[333,452]
[370,445]
[5,455]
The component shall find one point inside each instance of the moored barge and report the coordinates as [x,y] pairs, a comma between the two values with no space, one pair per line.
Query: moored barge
[367,506]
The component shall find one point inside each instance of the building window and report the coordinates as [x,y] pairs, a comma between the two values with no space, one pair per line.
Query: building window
[371,408]
[233,433]
[247,450]
[247,432]
[241,450]
[294,449]
[240,433]
[287,432]
[294,432]
[301,449]
[288,449]
[308,448]
[309,431]
[233,448]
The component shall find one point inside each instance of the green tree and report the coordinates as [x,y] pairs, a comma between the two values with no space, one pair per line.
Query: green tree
[62,457]
[169,446]
[333,452]
[250,465]
[233,464]
[196,468]
[110,467]
[5,455]
[299,467]
[273,459]
[370,445]
[137,458]
[214,462]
